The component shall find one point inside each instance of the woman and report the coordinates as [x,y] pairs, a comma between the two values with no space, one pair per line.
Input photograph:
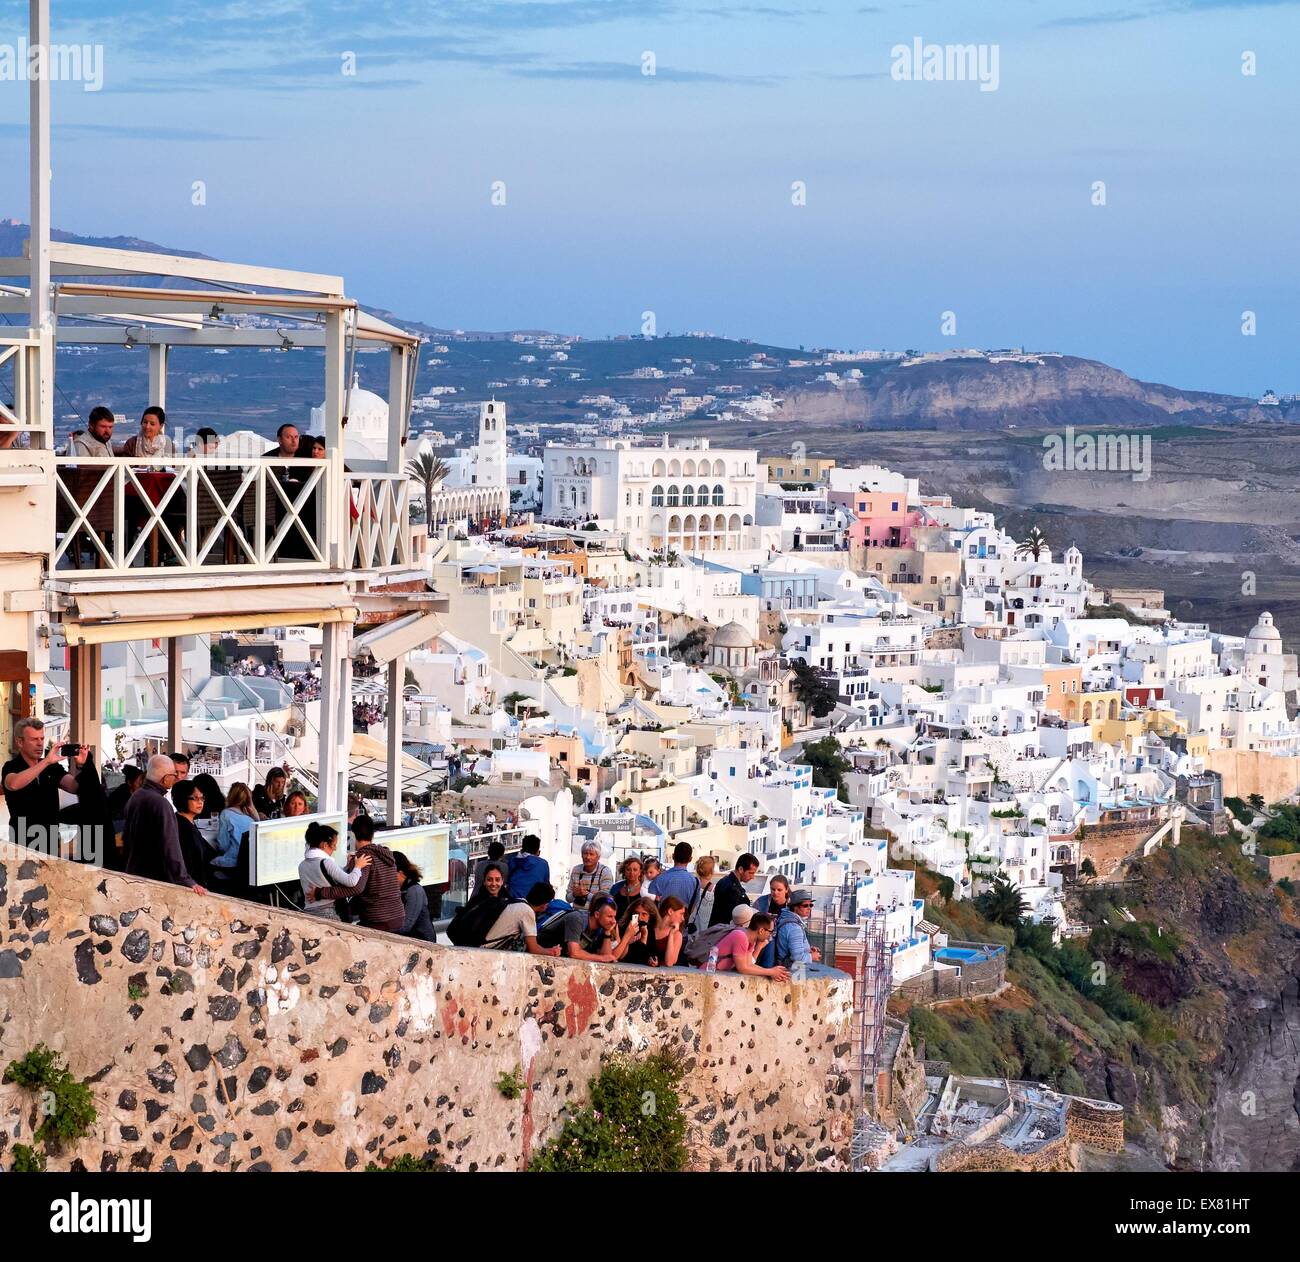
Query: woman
[418,923]
[773,903]
[668,933]
[229,867]
[187,798]
[636,932]
[737,950]
[318,869]
[704,903]
[214,801]
[631,887]
[588,878]
[296,804]
[151,440]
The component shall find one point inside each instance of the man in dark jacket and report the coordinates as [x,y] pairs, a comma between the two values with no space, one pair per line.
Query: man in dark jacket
[150,838]
[527,868]
[730,893]
[377,897]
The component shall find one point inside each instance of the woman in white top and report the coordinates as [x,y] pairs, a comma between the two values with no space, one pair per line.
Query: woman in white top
[319,869]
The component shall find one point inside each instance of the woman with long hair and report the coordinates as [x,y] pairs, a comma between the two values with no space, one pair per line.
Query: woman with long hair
[773,903]
[637,930]
[418,922]
[187,798]
[318,869]
[229,865]
[214,801]
[668,932]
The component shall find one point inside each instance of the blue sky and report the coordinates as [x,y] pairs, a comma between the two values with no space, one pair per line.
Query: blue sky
[672,193]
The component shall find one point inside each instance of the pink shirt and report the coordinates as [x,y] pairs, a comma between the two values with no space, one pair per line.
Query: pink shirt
[735,943]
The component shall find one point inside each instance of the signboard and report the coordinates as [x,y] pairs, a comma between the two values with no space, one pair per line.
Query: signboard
[607,823]
[277,846]
[425,845]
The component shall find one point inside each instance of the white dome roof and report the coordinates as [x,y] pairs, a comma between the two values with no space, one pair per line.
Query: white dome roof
[732,636]
[1264,631]
[366,434]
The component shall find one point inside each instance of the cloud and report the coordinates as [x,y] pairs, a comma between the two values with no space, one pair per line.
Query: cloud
[617,71]
[1175,8]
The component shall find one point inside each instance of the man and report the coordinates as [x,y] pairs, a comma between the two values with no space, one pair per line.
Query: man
[584,934]
[730,892]
[97,438]
[377,897]
[286,443]
[269,798]
[32,779]
[792,946]
[527,868]
[679,880]
[520,920]
[181,761]
[207,442]
[133,778]
[150,835]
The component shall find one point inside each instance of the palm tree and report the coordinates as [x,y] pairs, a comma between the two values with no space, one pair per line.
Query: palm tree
[1033,545]
[1003,904]
[429,470]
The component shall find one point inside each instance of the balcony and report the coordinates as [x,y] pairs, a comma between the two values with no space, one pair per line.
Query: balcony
[120,515]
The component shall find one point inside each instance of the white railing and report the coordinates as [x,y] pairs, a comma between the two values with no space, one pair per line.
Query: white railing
[379,526]
[18,370]
[193,514]
[141,513]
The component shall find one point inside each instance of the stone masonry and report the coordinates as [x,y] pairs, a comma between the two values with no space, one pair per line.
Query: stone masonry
[220,1034]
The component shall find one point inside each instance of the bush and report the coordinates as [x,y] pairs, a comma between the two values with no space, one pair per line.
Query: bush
[71,1112]
[407,1163]
[633,1123]
[1240,810]
[27,1160]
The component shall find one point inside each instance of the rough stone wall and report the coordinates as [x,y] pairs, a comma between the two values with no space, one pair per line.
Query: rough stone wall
[1279,866]
[223,1034]
[1086,1124]
[978,980]
[1247,771]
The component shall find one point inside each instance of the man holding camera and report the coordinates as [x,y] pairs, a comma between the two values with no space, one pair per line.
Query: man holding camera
[32,779]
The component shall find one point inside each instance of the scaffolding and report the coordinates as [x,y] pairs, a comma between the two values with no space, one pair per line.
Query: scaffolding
[872,984]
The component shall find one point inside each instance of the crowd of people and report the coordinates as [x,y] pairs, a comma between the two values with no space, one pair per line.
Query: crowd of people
[186,831]
[652,916]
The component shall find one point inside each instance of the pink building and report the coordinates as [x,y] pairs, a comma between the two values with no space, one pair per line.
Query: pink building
[883,519]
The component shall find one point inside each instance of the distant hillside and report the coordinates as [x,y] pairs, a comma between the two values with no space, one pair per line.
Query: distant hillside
[958,394]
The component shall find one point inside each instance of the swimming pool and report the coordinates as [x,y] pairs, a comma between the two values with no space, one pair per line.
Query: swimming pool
[963,954]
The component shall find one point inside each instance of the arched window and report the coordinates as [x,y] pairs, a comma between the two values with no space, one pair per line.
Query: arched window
[702,495]
[718,495]
[688,469]
[688,496]
[719,469]
[674,497]
[658,470]
[569,466]
[657,497]
[674,469]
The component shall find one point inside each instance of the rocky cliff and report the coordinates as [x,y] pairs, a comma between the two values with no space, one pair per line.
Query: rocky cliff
[980,394]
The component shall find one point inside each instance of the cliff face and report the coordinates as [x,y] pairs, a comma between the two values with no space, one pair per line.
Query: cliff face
[1189,1016]
[977,394]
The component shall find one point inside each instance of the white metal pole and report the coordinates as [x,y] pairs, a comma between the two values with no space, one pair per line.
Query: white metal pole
[42,313]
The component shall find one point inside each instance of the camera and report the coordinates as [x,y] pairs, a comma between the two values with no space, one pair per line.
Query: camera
[69,751]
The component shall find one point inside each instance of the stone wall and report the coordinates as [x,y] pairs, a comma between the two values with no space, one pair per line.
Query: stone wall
[223,1034]
[1279,866]
[1090,1124]
[1247,771]
[979,979]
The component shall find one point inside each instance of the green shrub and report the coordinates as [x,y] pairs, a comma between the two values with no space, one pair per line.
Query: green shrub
[407,1163]
[27,1160]
[511,1085]
[633,1123]
[1239,809]
[71,1108]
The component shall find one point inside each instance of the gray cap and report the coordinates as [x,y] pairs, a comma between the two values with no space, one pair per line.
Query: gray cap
[742,915]
[801,896]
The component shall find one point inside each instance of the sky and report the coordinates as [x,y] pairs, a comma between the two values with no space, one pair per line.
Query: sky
[510,165]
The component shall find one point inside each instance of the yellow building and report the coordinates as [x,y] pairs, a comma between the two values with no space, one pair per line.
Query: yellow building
[788,469]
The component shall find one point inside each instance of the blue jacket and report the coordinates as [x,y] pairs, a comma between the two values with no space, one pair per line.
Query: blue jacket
[231,831]
[791,940]
[524,872]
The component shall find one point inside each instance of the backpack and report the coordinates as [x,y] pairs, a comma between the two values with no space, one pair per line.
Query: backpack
[472,923]
[696,948]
